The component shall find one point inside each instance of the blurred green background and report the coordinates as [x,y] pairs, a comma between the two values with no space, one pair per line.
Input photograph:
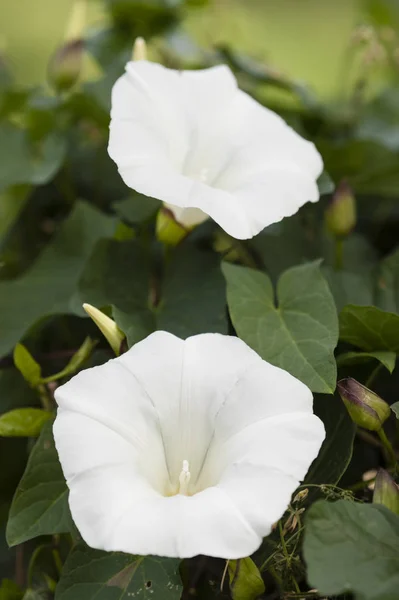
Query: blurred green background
[307,39]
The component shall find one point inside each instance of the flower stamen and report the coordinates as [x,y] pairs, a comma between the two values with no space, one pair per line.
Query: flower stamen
[184,478]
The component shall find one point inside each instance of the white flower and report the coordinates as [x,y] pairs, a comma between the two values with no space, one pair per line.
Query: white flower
[194,140]
[179,448]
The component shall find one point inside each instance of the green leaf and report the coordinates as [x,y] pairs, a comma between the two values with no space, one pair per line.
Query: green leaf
[352,547]
[325,184]
[31,594]
[369,328]
[91,574]
[336,451]
[23,422]
[387,292]
[395,409]
[300,334]
[137,208]
[26,365]
[40,505]
[25,162]
[369,167]
[14,391]
[10,590]
[191,294]
[388,359]
[12,202]
[246,582]
[48,288]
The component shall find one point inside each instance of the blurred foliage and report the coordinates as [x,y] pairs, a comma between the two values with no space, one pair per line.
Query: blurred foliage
[72,232]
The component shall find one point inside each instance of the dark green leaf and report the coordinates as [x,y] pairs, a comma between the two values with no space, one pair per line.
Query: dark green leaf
[300,334]
[387,292]
[12,202]
[369,328]
[336,451]
[23,422]
[25,162]
[351,547]
[40,504]
[191,297]
[14,391]
[388,359]
[369,167]
[49,286]
[193,294]
[90,574]
[137,208]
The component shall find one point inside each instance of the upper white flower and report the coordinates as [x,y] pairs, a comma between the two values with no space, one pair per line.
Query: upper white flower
[194,140]
[179,448]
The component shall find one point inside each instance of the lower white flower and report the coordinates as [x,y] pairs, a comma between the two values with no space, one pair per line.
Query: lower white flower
[196,141]
[179,448]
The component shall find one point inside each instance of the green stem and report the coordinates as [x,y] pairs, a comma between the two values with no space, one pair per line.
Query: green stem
[339,253]
[388,447]
[287,557]
[44,397]
[373,375]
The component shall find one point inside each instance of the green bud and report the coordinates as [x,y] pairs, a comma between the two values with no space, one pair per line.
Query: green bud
[139,49]
[65,65]
[340,215]
[364,406]
[245,579]
[386,491]
[168,230]
[107,326]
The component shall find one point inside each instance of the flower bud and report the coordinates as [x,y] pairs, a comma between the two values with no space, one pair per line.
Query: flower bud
[364,406]
[175,222]
[66,63]
[139,49]
[107,326]
[386,491]
[340,215]
[65,66]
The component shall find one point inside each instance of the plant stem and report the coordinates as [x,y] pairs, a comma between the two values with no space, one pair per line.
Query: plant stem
[339,254]
[373,375]
[44,397]
[287,557]
[388,447]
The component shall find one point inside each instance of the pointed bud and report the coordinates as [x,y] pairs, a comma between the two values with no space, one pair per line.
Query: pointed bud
[386,491]
[340,215]
[139,49]
[65,66]
[169,231]
[107,326]
[175,222]
[66,63]
[364,406]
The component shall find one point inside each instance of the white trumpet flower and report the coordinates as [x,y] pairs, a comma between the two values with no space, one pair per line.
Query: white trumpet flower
[179,448]
[204,147]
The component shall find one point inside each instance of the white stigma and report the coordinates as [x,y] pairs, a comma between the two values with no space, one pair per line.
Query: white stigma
[184,478]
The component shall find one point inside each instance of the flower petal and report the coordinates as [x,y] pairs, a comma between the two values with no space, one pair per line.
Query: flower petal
[123,429]
[193,140]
